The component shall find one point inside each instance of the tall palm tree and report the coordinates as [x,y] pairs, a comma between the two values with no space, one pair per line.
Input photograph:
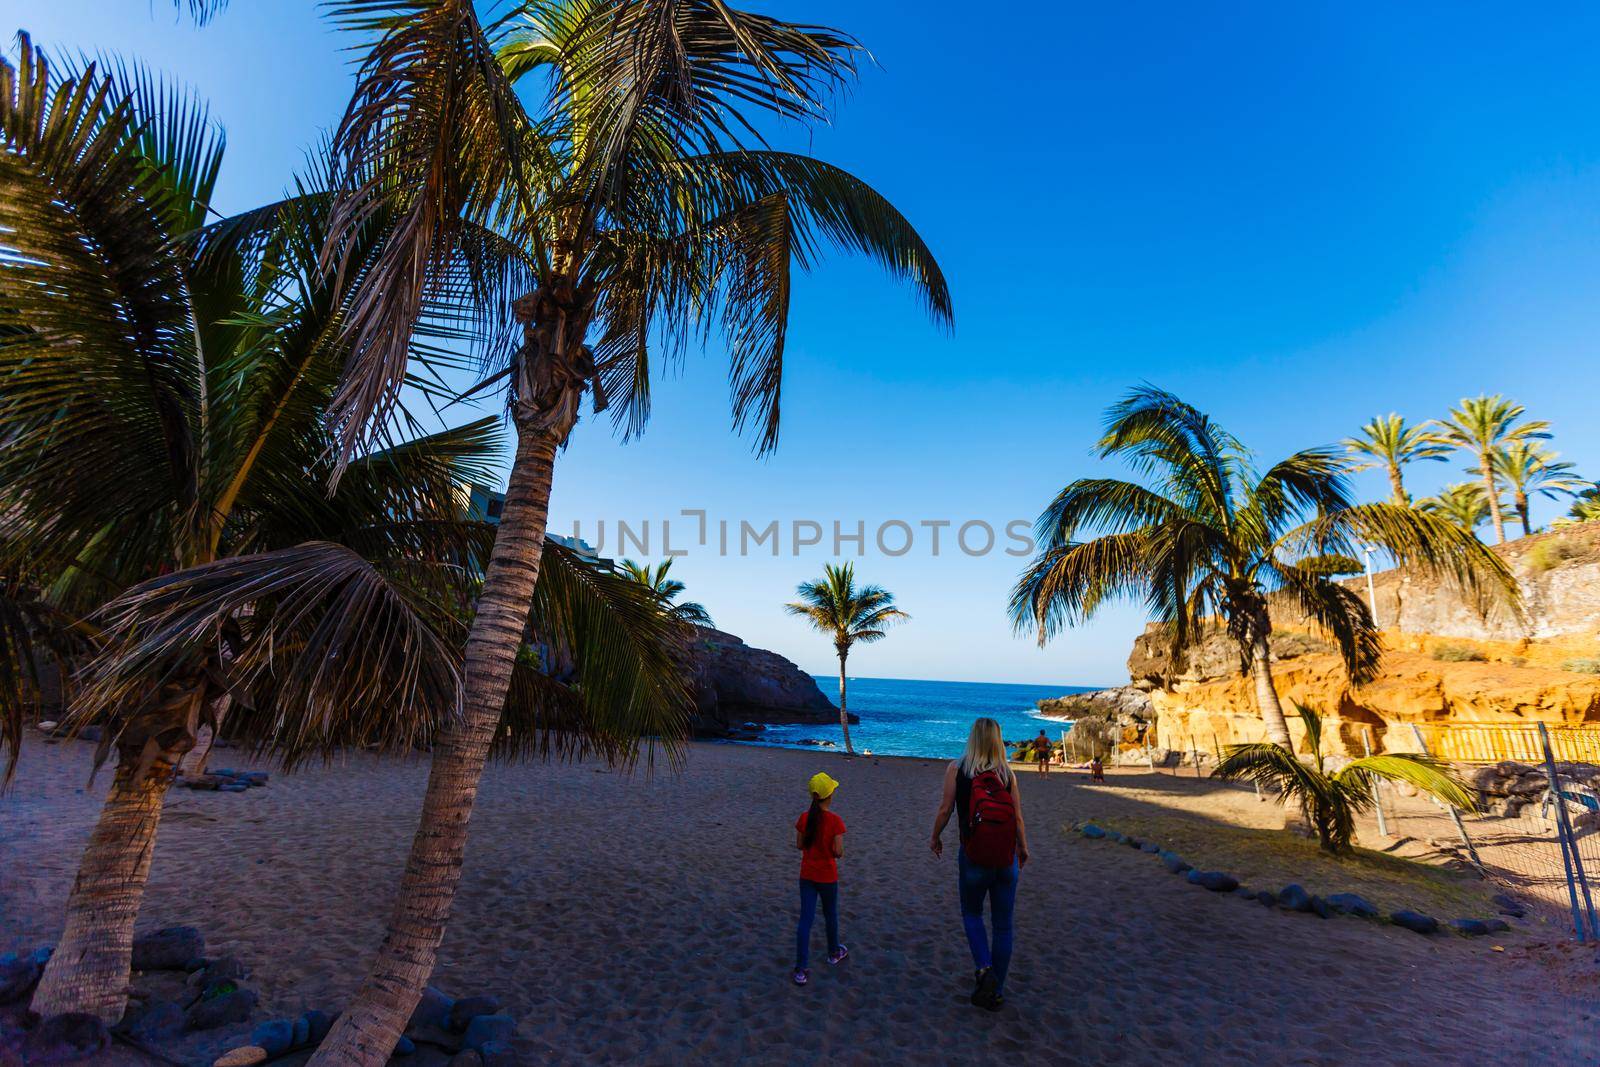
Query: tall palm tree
[163,387]
[667,590]
[1481,426]
[1389,443]
[1461,503]
[1205,535]
[1586,508]
[1531,469]
[647,209]
[848,614]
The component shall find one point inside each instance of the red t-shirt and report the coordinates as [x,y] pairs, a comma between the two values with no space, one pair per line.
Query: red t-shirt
[817,863]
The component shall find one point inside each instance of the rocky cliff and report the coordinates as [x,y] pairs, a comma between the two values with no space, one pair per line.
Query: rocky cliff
[735,684]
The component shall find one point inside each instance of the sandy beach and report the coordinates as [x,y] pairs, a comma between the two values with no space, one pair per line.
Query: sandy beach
[649,919]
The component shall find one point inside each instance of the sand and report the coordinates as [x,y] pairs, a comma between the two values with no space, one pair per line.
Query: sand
[649,919]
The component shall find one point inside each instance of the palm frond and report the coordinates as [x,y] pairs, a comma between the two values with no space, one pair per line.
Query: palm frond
[1427,774]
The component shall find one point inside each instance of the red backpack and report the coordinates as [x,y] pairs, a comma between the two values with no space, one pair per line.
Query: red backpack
[992,816]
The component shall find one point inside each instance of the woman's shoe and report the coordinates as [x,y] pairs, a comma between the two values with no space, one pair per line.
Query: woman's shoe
[801,977]
[985,991]
[838,954]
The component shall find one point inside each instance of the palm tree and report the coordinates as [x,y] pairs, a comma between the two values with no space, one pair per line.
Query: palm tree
[644,209]
[163,388]
[1482,426]
[1531,469]
[1586,508]
[667,590]
[836,607]
[1389,443]
[1207,536]
[1330,802]
[1461,503]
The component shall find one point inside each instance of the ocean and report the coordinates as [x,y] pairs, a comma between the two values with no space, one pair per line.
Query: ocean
[907,717]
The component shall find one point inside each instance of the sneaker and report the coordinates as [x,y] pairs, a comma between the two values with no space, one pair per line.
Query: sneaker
[985,991]
[996,1002]
[801,977]
[838,954]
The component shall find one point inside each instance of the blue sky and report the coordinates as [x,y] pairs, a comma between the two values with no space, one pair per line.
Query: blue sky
[1295,216]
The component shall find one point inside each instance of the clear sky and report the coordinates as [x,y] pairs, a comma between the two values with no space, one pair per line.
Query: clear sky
[1295,216]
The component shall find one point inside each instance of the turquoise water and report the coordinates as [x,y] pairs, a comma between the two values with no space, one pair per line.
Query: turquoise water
[906,717]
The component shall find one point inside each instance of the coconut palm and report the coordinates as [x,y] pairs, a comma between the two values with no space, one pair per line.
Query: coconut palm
[1530,469]
[667,590]
[1461,503]
[1329,803]
[163,387]
[1207,536]
[1586,508]
[1389,443]
[849,615]
[649,212]
[1481,426]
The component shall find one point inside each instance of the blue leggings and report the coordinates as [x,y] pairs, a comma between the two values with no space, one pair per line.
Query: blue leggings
[1000,885]
[809,892]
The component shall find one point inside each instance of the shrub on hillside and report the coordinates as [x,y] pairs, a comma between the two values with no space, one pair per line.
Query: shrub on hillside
[1549,554]
[1458,654]
[1582,665]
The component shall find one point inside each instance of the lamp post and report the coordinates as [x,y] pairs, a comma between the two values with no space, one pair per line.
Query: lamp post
[1372,596]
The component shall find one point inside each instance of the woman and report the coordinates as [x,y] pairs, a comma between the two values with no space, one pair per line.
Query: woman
[999,818]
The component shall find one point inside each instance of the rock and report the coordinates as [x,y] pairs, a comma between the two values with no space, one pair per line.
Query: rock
[160,1020]
[224,1009]
[17,978]
[467,1057]
[1216,881]
[48,726]
[1352,904]
[243,1056]
[1415,921]
[65,1038]
[318,1023]
[302,1032]
[734,684]
[498,1054]
[1320,908]
[1244,893]
[487,1028]
[1294,898]
[1497,926]
[91,733]
[1133,842]
[234,787]
[274,1035]
[168,949]
[1267,898]
[1148,847]
[1509,905]
[1116,835]
[405,1046]
[1175,863]
[225,969]
[1470,927]
[468,1008]
[432,1010]
[207,782]
[1091,831]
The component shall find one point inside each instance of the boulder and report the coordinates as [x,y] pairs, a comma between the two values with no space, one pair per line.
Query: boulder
[167,950]
[160,1020]
[432,1010]
[489,1028]
[66,1038]
[1295,898]
[225,969]
[318,1023]
[1509,905]
[302,1032]
[1470,927]
[1320,908]
[1267,898]
[1497,926]
[1123,704]
[1352,904]
[1148,847]
[1090,830]
[274,1035]
[1175,863]
[469,1008]
[498,1054]
[404,1046]
[243,1056]
[1415,921]
[17,978]
[223,1009]
[734,685]
[467,1057]
[1216,881]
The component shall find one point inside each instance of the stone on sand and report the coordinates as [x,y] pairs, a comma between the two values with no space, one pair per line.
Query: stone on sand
[66,1038]
[243,1056]
[1415,921]
[169,949]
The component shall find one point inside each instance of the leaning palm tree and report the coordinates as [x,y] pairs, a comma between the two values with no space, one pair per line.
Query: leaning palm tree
[1329,803]
[1389,443]
[667,590]
[1481,426]
[650,213]
[1207,536]
[1461,503]
[163,463]
[1530,469]
[849,615]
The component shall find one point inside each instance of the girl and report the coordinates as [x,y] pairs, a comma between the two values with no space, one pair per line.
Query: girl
[819,835]
[985,760]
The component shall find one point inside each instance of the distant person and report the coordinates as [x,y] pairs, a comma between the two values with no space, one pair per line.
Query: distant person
[1041,752]
[982,792]
[819,835]
[1097,770]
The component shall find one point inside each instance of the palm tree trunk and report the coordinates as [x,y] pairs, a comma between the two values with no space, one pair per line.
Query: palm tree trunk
[368,1030]
[1397,486]
[844,715]
[1494,502]
[1521,501]
[1267,694]
[92,964]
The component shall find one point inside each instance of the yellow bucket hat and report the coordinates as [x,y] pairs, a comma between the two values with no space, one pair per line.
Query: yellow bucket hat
[822,786]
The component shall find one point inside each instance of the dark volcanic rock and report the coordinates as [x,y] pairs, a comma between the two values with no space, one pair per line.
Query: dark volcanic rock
[167,950]
[66,1038]
[735,684]
[1411,920]
[1124,704]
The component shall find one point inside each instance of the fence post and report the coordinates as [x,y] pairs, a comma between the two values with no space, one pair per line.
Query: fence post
[1569,844]
[1455,816]
[1194,753]
[1377,797]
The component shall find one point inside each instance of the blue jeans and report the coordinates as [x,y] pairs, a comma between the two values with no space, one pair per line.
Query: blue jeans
[999,884]
[809,892]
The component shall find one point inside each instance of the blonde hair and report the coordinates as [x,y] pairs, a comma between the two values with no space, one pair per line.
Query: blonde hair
[986,751]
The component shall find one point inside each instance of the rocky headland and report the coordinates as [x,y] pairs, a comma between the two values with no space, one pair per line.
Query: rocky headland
[738,689]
